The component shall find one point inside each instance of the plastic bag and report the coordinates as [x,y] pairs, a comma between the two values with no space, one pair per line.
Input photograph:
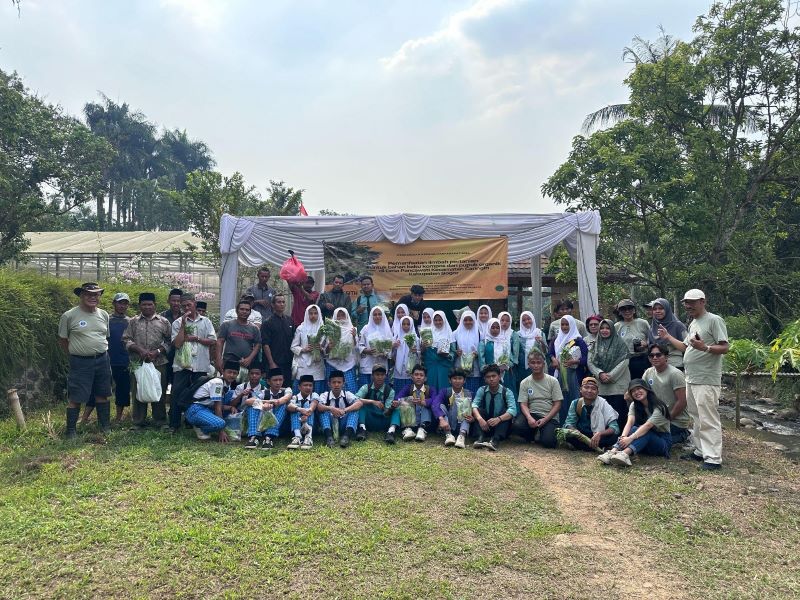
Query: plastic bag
[293,270]
[408,414]
[244,375]
[463,408]
[148,383]
[233,427]
[183,356]
[267,420]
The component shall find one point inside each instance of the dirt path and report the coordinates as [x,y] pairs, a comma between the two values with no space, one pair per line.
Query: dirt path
[606,549]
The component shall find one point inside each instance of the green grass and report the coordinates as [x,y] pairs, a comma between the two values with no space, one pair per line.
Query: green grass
[146,515]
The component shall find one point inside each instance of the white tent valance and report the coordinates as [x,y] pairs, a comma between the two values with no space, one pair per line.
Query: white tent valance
[253,241]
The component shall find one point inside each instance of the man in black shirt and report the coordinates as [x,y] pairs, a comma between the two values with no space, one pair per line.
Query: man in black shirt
[276,336]
[415,303]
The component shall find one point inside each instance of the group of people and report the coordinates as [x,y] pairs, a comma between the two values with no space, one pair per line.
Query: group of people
[620,386]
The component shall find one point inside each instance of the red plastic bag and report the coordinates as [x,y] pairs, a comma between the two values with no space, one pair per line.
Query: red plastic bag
[293,270]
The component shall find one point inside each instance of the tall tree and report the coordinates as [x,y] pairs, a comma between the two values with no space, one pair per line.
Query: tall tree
[49,164]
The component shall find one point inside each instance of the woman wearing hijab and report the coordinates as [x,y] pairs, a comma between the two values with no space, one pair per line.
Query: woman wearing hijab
[467,338]
[608,362]
[530,337]
[400,311]
[484,314]
[406,356]
[495,349]
[568,355]
[307,351]
[346,363]
[512,339]
[376,330]
[438,357]
[663,315]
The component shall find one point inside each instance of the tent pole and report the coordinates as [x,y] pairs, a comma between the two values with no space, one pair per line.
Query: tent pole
[536,287]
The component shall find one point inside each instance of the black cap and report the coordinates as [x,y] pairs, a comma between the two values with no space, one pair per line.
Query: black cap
[201,304]
[306,379]
[231,364]
[274,373]
[147,297]
[335,373]
[176,292]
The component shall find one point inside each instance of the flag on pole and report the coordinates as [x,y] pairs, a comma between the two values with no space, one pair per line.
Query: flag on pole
[303,211]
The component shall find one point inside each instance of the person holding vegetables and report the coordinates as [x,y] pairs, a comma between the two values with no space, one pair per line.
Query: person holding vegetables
[568,355]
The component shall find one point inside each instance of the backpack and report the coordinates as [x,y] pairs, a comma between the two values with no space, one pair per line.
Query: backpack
[186,398]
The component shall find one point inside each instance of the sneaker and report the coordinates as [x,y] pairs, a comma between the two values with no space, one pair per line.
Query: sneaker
[361,436]
[691,456]
[492,445]
[307,444]
[460,441]
[305,430]
[421,434]
[344,441]
[450,440]
[295,443]
[252,443]
[620,459]
[389,437]
[330,442]
[707,466]
[408,434]
[605,457]
[266,443]
[479,443]
[200,435]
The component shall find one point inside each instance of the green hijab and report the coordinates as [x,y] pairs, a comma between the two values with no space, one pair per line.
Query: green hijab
[610,351]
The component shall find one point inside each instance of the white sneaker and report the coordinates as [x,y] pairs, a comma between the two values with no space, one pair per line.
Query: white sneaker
[461,441]
[620,459]
[421,434]
[307,444]
[294,444]
[605,457]
[408,434]
[201,435]
[450,440]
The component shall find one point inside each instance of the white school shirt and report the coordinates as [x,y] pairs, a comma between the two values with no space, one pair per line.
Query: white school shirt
[210,392]
[343,401]
[298,400]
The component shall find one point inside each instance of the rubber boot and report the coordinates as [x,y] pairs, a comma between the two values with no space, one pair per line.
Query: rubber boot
[72,421]
[104,416]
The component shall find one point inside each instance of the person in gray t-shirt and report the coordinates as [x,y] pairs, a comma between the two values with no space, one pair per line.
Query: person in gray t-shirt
[238,340]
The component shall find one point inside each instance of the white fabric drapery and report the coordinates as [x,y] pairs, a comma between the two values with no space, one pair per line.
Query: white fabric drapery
[253,241]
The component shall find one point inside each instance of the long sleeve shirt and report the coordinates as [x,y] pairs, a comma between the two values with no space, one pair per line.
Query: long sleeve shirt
[150,334]
[495,404]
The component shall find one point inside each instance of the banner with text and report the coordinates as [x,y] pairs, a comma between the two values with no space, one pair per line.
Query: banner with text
[447,269]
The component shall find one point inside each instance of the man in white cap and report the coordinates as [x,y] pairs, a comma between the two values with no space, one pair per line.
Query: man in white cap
[705,344]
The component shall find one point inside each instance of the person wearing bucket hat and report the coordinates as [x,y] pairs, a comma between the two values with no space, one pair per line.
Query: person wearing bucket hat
[83,334]
[703,347]
[634,332]
[647,430]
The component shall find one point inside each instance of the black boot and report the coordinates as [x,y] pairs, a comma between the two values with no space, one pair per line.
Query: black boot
[104,416]
[72,421]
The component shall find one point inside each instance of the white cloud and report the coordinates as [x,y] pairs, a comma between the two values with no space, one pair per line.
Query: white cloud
[203,14]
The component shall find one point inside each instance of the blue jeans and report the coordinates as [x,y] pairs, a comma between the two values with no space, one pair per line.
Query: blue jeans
[424,416]
[653,442]
[456,427]
[679,434]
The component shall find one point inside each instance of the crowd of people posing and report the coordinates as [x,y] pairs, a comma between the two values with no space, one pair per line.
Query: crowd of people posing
[619,387]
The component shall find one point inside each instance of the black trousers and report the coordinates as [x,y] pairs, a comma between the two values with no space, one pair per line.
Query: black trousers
[547,432]
[498,433]
[180,381]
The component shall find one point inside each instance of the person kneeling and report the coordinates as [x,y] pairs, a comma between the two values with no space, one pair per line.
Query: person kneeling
[343,406]
[494,408]
[453,409]
[301,409]
[540,401]
[647,429]
[205,411]
[591,422]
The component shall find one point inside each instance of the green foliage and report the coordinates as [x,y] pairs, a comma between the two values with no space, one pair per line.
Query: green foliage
[785,350]
[745,356]
[49,164]
[744,326]
[30,308]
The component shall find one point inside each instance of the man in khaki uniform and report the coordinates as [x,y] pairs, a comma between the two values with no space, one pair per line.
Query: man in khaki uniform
[83,334]
[705,343]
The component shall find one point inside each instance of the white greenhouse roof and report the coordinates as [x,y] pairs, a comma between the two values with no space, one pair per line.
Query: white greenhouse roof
[109,242]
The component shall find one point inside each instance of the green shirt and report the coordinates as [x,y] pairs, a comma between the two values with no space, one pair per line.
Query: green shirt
[638,329]
[704,368]
[664,385]
[87,332]
[540,395]
[657,418]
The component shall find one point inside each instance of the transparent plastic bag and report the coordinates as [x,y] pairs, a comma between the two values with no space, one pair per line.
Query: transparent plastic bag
[267,420]
[408,414]
[148,383]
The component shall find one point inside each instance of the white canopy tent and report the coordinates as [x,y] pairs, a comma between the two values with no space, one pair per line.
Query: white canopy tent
[254,241]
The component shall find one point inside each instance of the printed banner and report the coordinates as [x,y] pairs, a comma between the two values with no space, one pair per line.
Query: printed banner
[447,269]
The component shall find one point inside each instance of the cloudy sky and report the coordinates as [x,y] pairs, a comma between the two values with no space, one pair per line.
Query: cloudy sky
[372,106]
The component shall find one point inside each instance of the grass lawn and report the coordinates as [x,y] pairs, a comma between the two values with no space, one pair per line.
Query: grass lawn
[144,515]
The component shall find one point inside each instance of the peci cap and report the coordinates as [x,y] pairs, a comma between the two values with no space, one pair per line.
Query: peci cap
[694,294]
[147,297]
[120,296]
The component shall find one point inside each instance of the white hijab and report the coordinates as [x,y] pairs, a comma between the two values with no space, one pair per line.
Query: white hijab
[506,333]
[442,334]
[396,329]
[380,331]
[467,339]
[501,344]
[564,338]
[529,334]
[483,328]
[307,327]
[403,350]
[430,313]
[347,326]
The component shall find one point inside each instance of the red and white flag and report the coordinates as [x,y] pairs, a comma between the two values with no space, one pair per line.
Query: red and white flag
[303,211]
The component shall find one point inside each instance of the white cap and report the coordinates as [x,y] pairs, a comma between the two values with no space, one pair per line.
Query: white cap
[694,294]
[119,296]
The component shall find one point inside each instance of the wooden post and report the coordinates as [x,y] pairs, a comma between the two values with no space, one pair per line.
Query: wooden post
[738,398]
[13,404]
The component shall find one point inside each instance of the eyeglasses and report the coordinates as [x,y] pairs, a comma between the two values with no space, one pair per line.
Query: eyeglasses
[655,355]
[627,308]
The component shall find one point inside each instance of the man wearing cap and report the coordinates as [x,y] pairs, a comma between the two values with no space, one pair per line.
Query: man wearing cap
[197,331]
[262,295]
[118,355]
[202,307]
[539,401]
[648,309]
[148,337]
[83,334]
[593,417]
[635,333]
[704,345]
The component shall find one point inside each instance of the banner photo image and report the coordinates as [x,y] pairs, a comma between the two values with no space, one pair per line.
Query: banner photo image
[447,269]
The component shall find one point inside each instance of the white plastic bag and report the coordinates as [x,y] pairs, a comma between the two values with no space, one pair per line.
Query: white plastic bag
[148,383]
